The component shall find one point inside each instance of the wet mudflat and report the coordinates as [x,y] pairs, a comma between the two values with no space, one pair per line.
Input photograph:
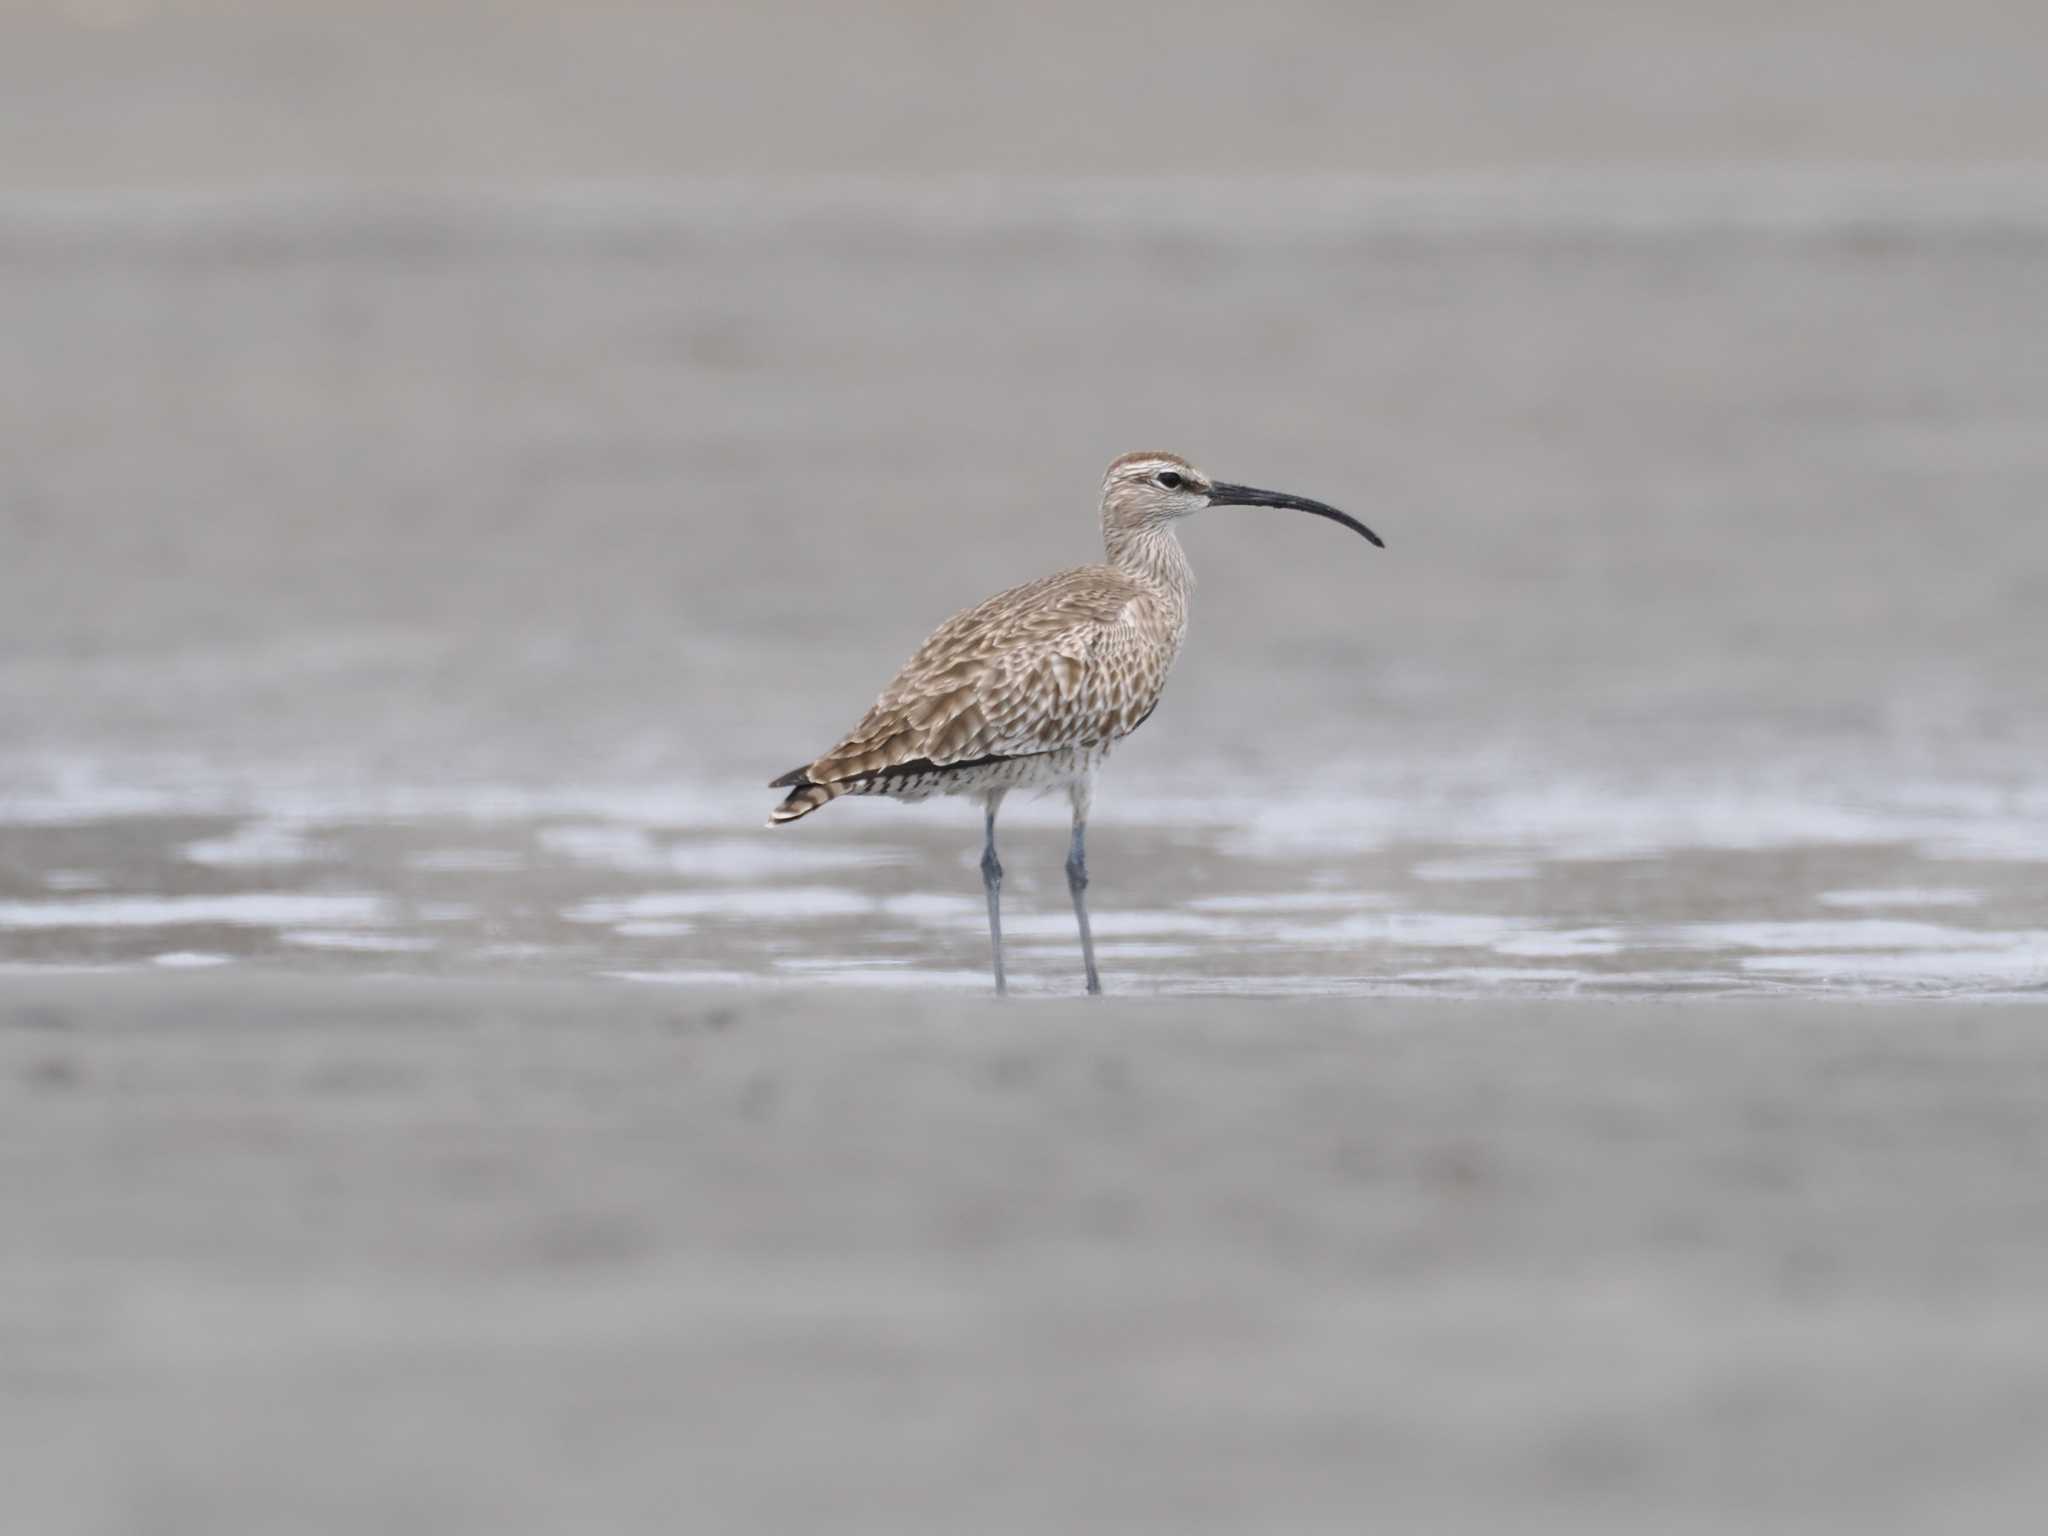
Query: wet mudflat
[305,1252]
[1928,902]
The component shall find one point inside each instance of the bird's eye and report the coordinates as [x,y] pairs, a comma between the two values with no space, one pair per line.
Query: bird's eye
[1171,481]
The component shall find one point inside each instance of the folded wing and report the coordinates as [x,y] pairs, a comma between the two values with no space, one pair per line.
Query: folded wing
[1049,666]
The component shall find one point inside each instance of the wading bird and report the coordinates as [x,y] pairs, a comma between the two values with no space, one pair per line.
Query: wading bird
[1032,688]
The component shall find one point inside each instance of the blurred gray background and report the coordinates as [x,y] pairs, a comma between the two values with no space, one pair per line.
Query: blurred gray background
[522,393]
[451,455]
[135,93]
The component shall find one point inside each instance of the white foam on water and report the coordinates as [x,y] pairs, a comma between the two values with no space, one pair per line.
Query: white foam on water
[1991,843]
[84,805]
[772,857]
[1495,834]
[190,960]
[1957,968]
[1731,983]
[1414,930]
[1845,934]
[1903,896]
[1136,925]
[1474,870]
[694,978]
[254,909]
[1259,828]
[465,861]
[1563,815]
[932,908]
[358,943]
[1335,901]
[844,963]
[1109,949]
[1580,820]
[1557,976]
[665,805]
[797,902]
[1563,943]
[627,849]
[256,844]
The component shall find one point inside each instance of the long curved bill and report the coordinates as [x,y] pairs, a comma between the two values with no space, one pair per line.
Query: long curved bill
[1222,494]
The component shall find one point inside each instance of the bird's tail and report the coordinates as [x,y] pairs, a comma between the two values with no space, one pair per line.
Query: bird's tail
[804,796]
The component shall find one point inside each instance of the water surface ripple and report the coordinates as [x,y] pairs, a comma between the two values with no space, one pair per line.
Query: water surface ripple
[1911,909]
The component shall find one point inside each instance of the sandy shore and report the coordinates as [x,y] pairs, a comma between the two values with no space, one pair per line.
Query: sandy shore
[288,1254]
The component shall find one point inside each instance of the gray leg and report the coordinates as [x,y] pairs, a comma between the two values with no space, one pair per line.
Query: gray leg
[1077,882]
[992,882]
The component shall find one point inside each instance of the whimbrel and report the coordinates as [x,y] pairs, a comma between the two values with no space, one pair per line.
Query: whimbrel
[1031,689]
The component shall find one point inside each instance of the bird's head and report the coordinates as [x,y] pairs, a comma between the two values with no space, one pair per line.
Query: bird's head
[1149,489]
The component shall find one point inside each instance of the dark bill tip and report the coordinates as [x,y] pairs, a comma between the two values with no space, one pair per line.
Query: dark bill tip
[1222,494]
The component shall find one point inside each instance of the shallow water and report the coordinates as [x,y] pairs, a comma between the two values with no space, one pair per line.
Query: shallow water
[430,585]
[1918,903]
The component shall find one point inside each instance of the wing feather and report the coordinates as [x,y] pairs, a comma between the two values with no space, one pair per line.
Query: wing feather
[1057,663]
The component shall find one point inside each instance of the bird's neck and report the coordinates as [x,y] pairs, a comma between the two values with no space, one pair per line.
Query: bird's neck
[1152,553]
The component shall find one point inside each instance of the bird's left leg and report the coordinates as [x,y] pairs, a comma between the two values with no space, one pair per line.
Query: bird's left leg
[1081,792]
[992,884]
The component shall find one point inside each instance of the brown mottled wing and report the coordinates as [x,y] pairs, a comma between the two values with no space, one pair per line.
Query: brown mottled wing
[1063,662]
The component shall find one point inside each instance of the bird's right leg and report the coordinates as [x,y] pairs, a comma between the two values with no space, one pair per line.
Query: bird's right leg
[1080,792]
[992,882]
